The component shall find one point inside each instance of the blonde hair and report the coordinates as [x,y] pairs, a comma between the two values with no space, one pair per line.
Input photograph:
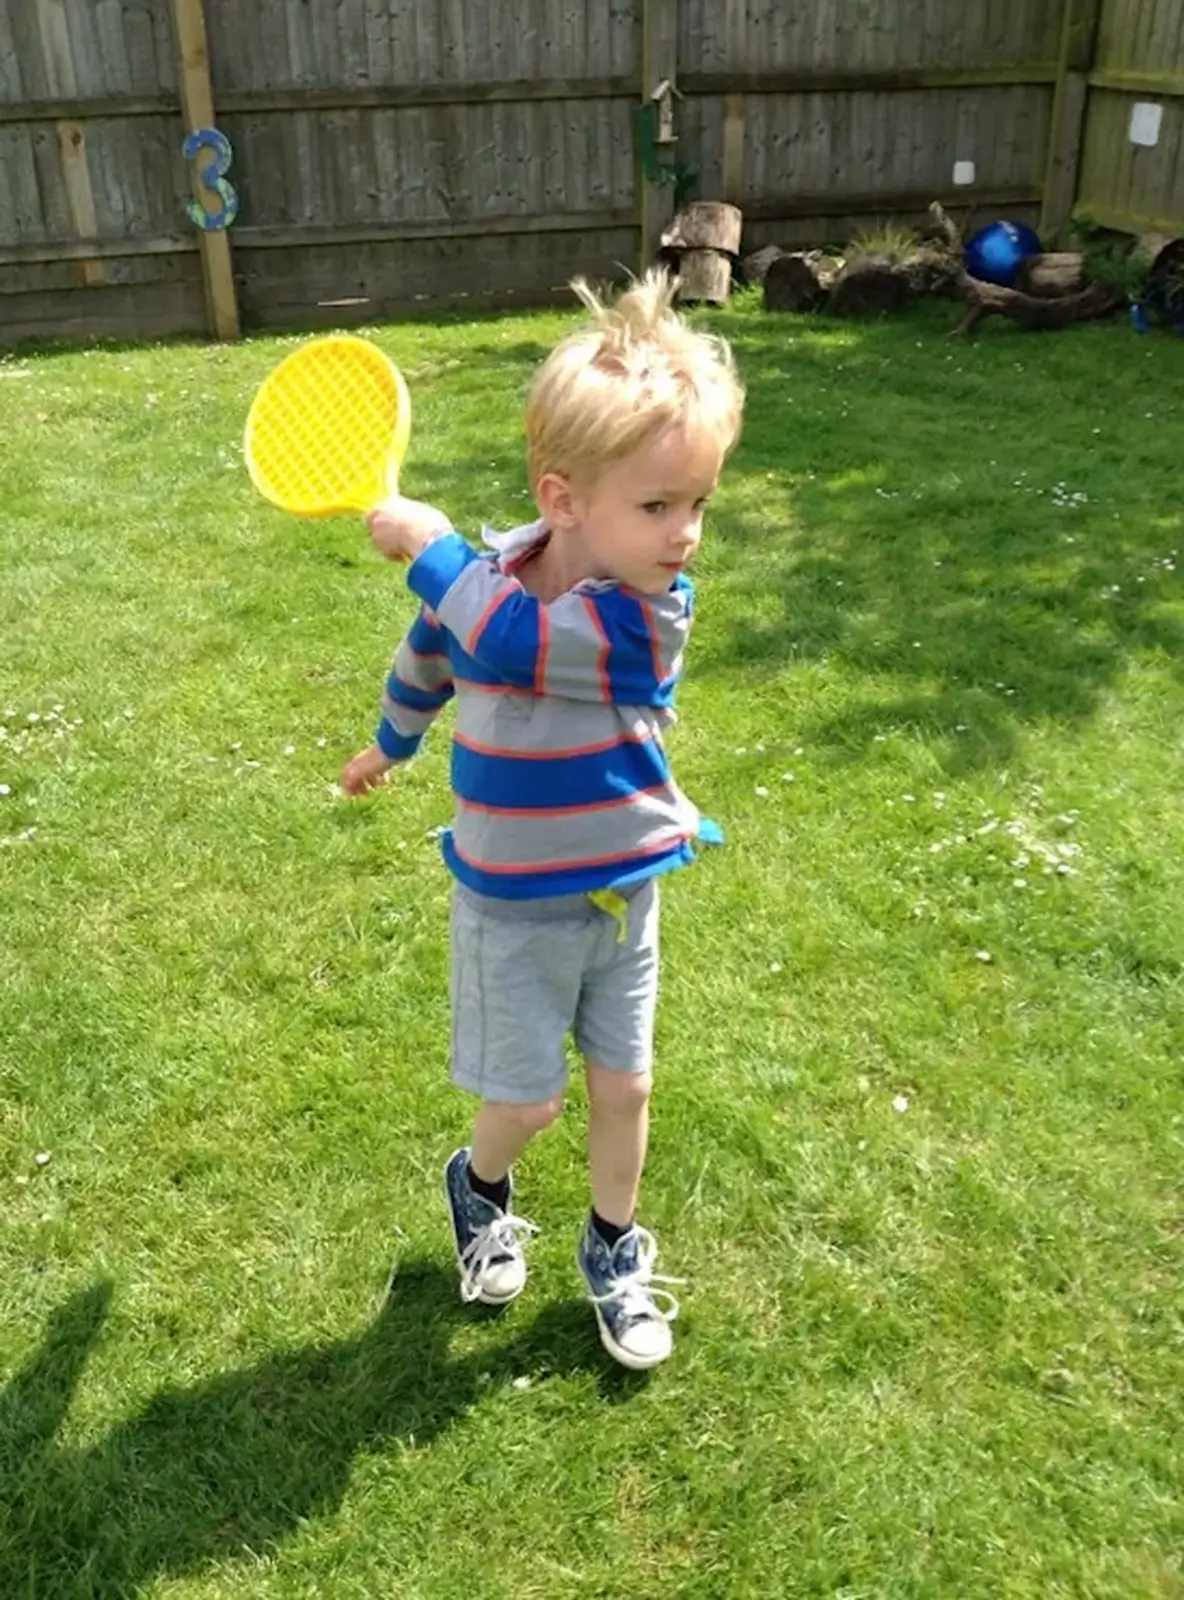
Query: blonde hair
[633,370]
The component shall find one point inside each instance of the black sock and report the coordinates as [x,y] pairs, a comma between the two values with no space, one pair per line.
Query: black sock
[609,1231]
[497,1193]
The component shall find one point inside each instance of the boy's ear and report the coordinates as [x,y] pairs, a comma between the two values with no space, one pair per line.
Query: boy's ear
[556,500]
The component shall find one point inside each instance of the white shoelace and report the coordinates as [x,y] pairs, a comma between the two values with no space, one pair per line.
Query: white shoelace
[497,1238]
[636,1292]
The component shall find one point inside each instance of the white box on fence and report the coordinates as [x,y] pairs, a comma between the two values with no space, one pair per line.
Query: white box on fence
[1146,121]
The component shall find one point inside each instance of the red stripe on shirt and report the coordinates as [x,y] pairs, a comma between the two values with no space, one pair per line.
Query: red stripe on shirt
[540,669]
[647,612]
[605,647]
[499,598]
[526,868]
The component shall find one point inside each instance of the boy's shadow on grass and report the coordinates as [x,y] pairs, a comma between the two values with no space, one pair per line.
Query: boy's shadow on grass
[234,1464]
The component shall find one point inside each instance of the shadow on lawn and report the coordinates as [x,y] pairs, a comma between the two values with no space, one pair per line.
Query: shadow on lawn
[906,537]
[234,1464]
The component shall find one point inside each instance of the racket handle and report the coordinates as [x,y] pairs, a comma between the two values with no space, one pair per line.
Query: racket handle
[403,528]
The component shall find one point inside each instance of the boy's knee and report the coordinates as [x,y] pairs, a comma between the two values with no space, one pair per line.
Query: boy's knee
[536,1115]
[620,1091]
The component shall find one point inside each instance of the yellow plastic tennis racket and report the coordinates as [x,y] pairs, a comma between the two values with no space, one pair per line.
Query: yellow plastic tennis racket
[328,429]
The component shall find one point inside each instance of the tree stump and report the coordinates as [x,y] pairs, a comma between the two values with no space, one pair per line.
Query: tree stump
[704,237]
[704,275]
[869,286]
[705,225]
[754,268]
[791,284]
[1050,276]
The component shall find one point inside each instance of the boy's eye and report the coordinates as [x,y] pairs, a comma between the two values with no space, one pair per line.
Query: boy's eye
[654,507]
[701,503]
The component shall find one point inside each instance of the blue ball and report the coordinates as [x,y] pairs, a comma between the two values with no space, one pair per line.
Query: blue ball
[997,252]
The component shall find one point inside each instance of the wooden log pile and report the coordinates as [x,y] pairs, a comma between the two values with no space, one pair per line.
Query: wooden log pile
[984,300]
[792,282]
[1052,290]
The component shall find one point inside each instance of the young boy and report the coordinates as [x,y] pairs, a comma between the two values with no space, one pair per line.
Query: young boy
[562,649]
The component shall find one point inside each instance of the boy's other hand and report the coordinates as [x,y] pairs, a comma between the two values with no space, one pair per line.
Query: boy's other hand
[402,528]
[364,772]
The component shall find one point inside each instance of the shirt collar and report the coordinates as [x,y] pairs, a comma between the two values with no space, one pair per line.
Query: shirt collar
[516,545]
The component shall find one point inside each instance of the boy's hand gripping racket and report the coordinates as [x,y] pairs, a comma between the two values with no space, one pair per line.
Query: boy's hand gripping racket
[328,429]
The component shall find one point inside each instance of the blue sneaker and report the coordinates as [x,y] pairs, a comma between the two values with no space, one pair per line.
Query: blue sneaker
[488,1246]
[634,1327]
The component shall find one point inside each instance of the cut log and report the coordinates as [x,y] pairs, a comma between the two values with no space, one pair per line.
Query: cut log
[988,300]
[869,286]
[704,275]
[942,228]
[1050,276]
[1163,292]
[933,270]
[984,300]
[791,284]
[754,268]
[826,268]
[706,225]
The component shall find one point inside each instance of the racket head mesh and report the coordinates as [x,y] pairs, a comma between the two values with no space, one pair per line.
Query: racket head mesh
[328,429]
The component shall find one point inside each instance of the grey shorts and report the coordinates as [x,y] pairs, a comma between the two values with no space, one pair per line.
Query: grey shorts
[526,973]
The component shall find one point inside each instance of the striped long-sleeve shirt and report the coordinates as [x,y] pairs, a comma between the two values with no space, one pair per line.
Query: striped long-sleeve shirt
[559,774]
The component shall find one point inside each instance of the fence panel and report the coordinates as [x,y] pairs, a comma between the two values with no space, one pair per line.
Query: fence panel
[820,116]
[1139,59]
[391,154]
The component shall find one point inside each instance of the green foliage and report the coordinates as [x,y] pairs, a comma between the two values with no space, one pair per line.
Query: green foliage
[890,240]
[1111,258]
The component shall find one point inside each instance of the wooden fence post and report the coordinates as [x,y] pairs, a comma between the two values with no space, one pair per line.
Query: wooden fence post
[1067,130]
[659,60]
[197,109]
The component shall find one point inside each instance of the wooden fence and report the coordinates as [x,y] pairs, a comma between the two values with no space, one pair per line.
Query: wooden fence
[400,154]
[1138,60]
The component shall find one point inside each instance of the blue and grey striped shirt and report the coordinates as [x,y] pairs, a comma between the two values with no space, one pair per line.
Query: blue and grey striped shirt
[559,773]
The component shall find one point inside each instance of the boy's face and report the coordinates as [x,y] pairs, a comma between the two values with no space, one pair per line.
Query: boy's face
[641,519]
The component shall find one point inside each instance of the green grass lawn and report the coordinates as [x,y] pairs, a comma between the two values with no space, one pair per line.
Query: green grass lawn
[919,1132]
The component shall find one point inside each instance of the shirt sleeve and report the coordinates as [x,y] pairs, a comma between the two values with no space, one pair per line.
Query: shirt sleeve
[597,642]
[418,687]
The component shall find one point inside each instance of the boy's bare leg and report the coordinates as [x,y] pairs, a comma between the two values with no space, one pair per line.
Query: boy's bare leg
[618,1131]
[502,1132]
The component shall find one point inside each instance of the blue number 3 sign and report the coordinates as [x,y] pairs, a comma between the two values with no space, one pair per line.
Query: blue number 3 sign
[212,178]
